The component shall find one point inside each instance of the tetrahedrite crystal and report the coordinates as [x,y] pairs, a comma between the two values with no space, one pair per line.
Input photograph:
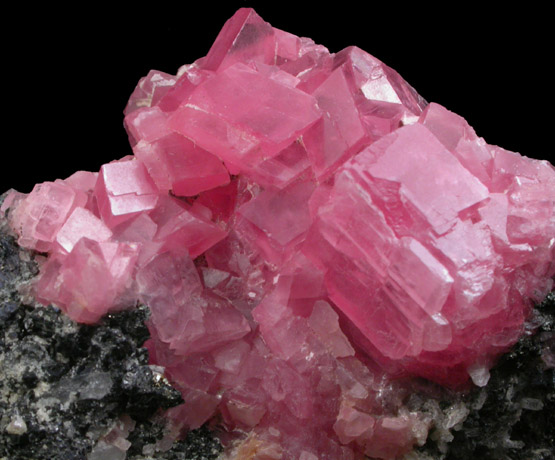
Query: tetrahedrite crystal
[305,229]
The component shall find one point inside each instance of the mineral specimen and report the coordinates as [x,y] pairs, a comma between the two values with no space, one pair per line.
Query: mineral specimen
[64,385]
[306,230]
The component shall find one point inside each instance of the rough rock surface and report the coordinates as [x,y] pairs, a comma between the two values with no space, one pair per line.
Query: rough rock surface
[64,385]
[517,419]
[511,418]
[351,235]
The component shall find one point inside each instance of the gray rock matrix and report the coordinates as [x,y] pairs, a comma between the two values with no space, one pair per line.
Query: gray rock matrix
[78,392]
[66,389]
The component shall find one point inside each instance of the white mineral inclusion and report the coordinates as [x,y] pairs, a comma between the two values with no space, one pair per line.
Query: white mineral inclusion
[17,426]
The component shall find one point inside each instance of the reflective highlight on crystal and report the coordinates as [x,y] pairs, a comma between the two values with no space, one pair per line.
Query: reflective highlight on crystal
[305,229]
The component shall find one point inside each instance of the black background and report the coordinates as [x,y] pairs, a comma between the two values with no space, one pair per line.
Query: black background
[68,71]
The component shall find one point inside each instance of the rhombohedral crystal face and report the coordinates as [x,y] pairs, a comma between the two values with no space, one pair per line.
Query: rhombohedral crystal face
[306,230]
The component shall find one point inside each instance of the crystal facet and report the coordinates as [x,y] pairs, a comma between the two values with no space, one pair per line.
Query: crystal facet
[305,229]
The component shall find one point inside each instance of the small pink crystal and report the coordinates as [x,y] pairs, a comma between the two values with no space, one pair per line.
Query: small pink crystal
[72,282]
[123,190]
[305,229]
[40,216]
[150,90]
[179,226]
[176,163]
[243,116]
[81,224]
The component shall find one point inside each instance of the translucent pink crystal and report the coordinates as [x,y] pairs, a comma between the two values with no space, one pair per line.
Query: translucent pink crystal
[150,90]
[72,282]
[176,163]
[180,226]
[124,189]
[245,37]
[243,116]
[305,229]
[81,224]
[40,216]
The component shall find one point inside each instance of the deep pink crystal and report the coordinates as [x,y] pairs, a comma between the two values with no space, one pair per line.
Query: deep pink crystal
[305,229]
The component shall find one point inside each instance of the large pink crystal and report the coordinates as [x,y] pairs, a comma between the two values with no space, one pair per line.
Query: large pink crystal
[305,229]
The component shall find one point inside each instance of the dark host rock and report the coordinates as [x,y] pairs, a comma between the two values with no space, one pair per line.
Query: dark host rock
[513,417]
[64,385]
[198,445]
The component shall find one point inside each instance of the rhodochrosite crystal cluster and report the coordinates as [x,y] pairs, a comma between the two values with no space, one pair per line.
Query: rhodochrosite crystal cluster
[305,229]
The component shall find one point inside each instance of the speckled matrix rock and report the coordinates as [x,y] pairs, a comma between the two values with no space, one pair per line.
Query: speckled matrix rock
[512,417]
[341,236]
[65,386]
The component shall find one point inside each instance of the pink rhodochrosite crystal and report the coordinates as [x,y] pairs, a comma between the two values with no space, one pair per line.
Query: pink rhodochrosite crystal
[306,230]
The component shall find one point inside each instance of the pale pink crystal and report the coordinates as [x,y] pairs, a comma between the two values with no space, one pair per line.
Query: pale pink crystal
[340,132]
[150,90]
[123,190]
[181,226]
[244,37]
[304,228]
[146,124]
[72,282]
[324,321]
[40,216]
[290,164]
[244,117]
[81,224]
[176,163]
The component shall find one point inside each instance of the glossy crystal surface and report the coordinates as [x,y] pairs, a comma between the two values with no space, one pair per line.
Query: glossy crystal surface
[305,229]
